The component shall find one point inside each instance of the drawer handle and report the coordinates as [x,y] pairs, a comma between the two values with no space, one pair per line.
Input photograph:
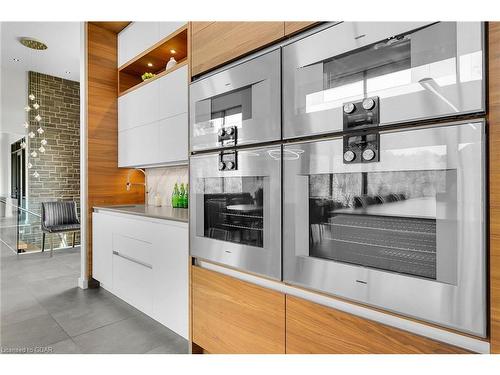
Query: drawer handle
[132,259]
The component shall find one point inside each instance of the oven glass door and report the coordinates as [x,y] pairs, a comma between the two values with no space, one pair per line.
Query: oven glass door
[417,70]
[235,215]
[405,234]
[245,98]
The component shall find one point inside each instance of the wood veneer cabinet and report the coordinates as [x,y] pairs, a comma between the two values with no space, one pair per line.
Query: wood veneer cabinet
[216,43]
[494,180]
[233,316]
[317,329]
[297,26]
[237,317]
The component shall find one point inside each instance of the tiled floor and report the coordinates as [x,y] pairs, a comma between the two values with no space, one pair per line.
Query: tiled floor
[41,306]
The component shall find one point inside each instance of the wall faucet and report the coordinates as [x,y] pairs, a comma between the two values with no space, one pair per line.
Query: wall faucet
[129,184]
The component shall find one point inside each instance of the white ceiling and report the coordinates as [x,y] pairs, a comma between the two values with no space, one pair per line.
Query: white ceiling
[61,56]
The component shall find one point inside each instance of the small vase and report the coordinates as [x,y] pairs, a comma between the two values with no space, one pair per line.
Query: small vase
[171,63]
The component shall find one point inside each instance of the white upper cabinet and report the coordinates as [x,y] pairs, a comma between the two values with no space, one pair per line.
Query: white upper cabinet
[139,107]
[139,36]
[174,93]
[152,119]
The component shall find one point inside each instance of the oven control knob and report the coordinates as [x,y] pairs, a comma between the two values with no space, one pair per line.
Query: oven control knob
[222,132]
[349,108]
[229,131]
[222,166]
[230,165]
[349,156]
[368,154]
[368,103]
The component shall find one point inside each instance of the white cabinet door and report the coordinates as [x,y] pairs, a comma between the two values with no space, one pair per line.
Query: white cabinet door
[138,146]
[139,107]
[174,93]
[132,282]
[167,28]
[173,143]
[170,277]
[102,250]
[135,39]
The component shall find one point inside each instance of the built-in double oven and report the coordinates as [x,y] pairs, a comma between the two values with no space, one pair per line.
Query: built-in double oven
[235,183]
[367,176]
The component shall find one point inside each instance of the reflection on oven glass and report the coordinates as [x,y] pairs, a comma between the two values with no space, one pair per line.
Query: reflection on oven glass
[222,111]
[397,66]
[233,209]
[384,220]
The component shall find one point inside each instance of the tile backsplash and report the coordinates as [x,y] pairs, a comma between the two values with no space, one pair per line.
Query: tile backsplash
[161,181]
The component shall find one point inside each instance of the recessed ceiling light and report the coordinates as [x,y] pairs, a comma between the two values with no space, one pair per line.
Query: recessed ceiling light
[172,51]
[150,65]
[33,43]
[16,59]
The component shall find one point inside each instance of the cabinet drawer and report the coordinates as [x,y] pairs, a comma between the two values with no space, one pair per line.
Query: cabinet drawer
[132,282]
[133,248]
[220,42]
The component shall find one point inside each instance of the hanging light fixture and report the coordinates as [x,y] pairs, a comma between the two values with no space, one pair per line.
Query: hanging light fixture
[34,107]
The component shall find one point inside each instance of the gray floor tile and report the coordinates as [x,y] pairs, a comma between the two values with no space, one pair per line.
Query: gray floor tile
[65,347]
[39,331]
[41,305]
[90,316]
[132,335]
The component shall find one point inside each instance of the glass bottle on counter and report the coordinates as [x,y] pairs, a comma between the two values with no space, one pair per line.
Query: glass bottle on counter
[175,196]
[182,200]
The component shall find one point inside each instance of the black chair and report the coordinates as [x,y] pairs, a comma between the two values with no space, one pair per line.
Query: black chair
[59,217]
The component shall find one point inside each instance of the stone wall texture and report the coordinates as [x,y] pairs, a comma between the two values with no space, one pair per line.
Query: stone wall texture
[59,166]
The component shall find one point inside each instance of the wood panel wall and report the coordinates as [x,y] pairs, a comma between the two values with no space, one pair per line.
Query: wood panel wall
[494,182]
[105,181]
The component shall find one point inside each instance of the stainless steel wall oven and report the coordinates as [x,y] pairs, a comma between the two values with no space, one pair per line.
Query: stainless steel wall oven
[416,70]
[235,203]
[388,216]
[406,233]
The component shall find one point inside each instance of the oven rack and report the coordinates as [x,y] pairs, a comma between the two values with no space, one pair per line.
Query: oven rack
[424,225]
[380,246]
[382,229]
[241,227]
[401,261]
[241,215]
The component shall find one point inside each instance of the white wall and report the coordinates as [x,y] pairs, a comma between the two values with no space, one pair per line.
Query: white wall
[13,98]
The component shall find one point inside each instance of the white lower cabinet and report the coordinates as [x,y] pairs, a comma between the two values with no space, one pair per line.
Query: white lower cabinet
[144,262]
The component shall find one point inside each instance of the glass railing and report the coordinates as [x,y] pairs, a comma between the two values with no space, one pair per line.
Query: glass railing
[8,222]
[20,229]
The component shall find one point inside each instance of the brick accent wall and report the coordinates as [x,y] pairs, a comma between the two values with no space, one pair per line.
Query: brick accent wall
[59,166]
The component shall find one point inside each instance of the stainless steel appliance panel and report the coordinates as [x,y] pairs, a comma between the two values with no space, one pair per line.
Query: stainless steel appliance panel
[406,234]
[417,70]
[246,98]
[235,215]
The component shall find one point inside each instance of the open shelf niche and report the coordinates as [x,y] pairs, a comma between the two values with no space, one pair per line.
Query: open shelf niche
[129,74]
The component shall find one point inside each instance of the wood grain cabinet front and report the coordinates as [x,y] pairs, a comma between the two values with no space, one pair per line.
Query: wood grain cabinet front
[235,317]
[216,43]
[297,26]
[317,329]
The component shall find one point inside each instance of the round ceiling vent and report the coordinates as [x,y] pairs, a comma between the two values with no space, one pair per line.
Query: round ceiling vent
[33,43]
